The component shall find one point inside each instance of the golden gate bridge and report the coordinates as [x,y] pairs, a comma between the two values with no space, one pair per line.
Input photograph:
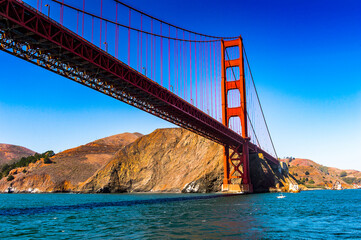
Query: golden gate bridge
[199,82]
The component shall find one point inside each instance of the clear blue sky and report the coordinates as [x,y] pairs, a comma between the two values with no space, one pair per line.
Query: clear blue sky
[305,57]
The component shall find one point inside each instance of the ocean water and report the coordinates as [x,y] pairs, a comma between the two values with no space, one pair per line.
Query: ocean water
[307,215]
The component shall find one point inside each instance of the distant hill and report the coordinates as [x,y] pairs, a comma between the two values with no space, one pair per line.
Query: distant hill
[70,167]
[10,153]
[314,175]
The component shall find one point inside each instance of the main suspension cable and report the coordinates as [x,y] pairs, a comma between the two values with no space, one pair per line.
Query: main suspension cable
[142,31]
[259,102]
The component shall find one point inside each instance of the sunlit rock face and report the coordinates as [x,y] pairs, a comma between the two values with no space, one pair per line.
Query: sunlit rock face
[167,160]
[172,160]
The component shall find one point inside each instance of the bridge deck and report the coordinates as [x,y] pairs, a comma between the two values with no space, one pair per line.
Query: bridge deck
[34,37]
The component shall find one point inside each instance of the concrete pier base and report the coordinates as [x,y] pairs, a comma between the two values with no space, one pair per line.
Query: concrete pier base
[237,188]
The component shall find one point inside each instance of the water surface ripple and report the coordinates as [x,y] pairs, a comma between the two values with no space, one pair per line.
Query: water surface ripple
[307,215]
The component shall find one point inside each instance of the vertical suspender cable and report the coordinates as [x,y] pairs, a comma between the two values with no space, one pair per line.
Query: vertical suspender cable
[196,70]
[101,16]
[184,69]
[92,29]
[207,81]
[190,69]
[138,51]
[116,31]
[154,58]
[161,56]
[77,22]
[82,27]
[169,86]
[141,42]
[105,37]
[129,37]
[151,52]
[146,54]
[176,60]
[215,81]
[210,78]
[62,13]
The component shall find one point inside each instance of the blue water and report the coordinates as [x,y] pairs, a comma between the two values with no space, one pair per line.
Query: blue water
[313,214]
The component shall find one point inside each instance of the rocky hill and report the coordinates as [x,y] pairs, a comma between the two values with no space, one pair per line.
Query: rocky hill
[167,160]
[10,153]
[68,168]
[174,160]
[313,175]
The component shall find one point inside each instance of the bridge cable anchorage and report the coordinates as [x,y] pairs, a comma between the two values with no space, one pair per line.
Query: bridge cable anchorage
[217,38]
[234,75]
[259,102]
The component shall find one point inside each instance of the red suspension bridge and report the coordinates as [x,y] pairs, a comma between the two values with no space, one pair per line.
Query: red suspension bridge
[199,82]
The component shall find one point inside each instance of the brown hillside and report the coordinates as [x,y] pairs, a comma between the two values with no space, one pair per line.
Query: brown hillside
[167,160]
[172,160]
[322,176]
[69,167]
[10,153]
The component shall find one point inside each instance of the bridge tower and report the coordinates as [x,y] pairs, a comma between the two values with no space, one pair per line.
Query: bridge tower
[236,160]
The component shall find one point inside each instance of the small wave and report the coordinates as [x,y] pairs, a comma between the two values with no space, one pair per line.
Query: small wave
[48,209]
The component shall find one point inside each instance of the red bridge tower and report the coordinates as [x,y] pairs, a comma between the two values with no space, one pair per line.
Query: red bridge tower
[236,160]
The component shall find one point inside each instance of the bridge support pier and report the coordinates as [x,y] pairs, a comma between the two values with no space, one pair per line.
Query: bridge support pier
[236,159]
[236,170]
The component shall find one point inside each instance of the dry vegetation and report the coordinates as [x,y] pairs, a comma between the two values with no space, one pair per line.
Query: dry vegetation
[314,175]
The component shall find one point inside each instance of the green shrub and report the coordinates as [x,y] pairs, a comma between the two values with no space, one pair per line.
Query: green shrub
[311,182]
[307,173]
[47,160]
[349,180]
[343,174]
[24,162]
[10,178]
[323,169]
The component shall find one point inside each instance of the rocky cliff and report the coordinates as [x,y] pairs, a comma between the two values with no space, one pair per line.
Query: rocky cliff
[10,153]
[68,168]
[167,160]
[174,160]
